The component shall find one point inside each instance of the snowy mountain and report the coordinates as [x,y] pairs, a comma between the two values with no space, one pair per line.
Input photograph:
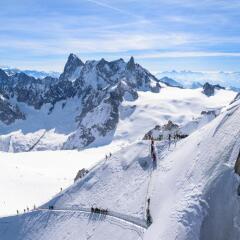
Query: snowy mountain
[87,105]
[190,192]
[171,82]
[96,88]
[188,78]
[32,73]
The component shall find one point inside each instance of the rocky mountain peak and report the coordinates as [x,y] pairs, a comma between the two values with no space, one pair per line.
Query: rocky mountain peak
[208,89]
[131,64]
[72,68]
[73,60]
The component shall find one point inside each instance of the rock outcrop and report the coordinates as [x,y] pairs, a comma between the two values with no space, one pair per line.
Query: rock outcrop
[9,113]
[209,89]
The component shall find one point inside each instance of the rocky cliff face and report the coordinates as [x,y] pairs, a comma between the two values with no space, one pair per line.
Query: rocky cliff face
[72,68]
[8,112]
[209,89]
[100,115]
[99,86]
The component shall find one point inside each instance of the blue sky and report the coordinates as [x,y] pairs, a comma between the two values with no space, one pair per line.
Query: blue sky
[160,34]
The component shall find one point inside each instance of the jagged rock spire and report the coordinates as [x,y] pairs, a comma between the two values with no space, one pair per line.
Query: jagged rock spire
[131,64]
[71,65]
[73,61]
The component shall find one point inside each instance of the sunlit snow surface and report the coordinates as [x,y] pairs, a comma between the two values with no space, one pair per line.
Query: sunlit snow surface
[193,192]
[34,177]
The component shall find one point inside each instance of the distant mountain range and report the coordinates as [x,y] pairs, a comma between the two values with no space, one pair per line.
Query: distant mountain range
[32,73]
[191,79]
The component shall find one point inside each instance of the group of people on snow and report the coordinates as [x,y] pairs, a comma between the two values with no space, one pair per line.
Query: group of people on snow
[106,156]
[26,209]
[149,218]
[99,210]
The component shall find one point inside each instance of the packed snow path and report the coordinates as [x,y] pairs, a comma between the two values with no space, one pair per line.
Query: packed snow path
[72,223]
[122,217]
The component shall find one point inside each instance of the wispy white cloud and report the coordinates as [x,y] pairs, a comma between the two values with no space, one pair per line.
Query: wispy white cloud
[181,54]
[107,42]
[111,7]
[147,28]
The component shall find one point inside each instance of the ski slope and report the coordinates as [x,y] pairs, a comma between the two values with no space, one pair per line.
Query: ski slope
[193,192]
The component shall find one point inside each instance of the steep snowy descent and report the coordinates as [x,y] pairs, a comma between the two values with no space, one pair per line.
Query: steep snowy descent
[192,182]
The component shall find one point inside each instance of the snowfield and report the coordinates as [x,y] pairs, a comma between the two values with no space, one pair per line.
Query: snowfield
[192,189]
[44,131]
[34,177]
[30,171]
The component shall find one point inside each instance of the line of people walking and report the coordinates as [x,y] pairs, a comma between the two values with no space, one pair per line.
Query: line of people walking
[153,152]
[26,209]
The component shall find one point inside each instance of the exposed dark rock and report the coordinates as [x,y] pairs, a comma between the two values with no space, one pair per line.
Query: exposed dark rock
[208,89]
[162,132]
[131,64]
[9,113]
[72,68]
[81,173]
